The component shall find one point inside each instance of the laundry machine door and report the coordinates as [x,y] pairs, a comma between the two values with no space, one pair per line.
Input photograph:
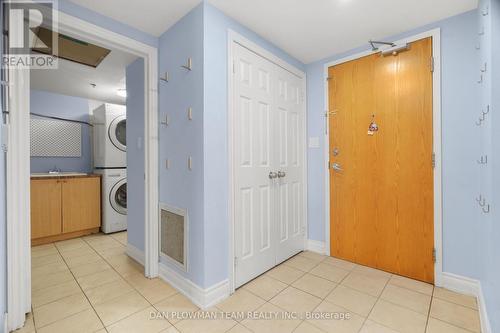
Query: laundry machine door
[118,197]
[118,132]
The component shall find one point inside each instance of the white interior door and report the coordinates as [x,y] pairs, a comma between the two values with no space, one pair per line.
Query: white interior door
[267,159]
[290,151]
[254,151]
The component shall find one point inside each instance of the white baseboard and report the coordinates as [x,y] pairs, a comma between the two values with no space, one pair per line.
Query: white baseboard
[203,298]
[135,254]
[468,286]
[5,322]
[316,246]
[460,284]
[483,313]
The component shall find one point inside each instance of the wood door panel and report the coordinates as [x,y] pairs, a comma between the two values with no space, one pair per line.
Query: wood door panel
[45,208]
[81,209]
[382,201]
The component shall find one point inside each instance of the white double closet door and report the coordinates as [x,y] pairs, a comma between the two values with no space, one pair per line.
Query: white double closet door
[268,157]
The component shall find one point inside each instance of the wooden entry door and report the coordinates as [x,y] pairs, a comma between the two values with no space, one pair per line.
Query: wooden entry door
[381,182]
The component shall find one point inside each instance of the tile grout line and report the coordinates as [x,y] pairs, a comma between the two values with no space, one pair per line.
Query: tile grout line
[123,278]
[83,292]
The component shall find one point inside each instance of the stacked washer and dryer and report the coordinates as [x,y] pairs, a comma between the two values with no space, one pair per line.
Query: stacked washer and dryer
[110,161]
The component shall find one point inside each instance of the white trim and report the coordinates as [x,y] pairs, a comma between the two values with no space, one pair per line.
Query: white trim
[472,287]
[95,34]
[203,298]
[316,246]
[483,313]
[460,284]
[436,109]
[182,212]
[18,164]
[234,37]
[136,254]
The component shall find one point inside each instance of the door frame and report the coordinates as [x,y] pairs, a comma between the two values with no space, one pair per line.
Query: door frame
[18,164]
[234,37]
[437,144]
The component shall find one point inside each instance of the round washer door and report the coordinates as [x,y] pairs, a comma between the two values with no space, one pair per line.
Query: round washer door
[118,132]
[118,197]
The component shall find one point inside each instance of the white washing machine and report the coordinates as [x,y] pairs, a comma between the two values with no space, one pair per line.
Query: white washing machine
[110,139]
[114,199]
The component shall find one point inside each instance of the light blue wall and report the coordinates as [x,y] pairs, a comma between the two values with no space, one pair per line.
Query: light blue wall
[67,107]
[180,187]
[135,153]
[460,142]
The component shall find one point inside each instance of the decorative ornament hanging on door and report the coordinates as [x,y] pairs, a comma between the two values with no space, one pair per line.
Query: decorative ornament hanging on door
[373,128]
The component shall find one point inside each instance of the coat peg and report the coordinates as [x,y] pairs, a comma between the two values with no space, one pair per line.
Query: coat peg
[486,209]
[480,198]
[188,65]
[487,110]
[480,122]
[165,78]
[481,31]
[480,79]
[483,69]
[483,160]
[485,11]
[478,46]
[165,120]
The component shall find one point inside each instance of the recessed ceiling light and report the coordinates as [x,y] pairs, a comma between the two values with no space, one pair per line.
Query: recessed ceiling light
[122,92]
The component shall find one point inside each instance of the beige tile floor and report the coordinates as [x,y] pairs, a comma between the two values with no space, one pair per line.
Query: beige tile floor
[89,285]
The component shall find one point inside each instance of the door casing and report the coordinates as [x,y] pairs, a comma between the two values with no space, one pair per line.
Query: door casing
[18,162]
[436,109]
[234,37]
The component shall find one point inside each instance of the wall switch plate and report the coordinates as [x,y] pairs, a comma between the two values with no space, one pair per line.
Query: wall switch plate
[314,142]
[190,113]
[190,163]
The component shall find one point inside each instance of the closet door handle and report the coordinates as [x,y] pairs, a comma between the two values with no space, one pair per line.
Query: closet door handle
[281,174]
[273,175]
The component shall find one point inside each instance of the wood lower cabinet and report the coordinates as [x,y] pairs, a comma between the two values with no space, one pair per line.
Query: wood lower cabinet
[46,206]
[65,207]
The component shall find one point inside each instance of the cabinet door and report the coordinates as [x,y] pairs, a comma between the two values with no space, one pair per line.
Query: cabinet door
[81,209]
[45,208]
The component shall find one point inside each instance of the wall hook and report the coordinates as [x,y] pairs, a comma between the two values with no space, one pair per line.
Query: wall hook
[165,78]
[480,122]
[485,67]
[188,65]
[486,11]
[165,120]
[480,79]
[486,209]
[483,160]
[487,110]
[480,199]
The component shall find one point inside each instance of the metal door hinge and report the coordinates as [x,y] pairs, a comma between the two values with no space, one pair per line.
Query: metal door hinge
[432,64]
[235,261]
[434,255]
[234,66]
[433,160]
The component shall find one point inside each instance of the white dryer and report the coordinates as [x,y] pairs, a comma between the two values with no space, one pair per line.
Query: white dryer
[110,136]
[114,199]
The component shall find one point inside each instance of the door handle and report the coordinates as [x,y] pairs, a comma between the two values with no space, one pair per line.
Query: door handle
[337,167]
[281,174]
[273,175]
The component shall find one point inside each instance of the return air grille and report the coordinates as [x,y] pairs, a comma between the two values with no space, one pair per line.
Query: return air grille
[173,235]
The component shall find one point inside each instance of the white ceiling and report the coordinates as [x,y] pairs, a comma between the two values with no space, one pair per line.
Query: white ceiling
[151,16]
[75,79]
[314,29]
[307,29]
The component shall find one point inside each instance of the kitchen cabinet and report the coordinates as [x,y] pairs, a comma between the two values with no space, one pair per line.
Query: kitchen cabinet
[64,207]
